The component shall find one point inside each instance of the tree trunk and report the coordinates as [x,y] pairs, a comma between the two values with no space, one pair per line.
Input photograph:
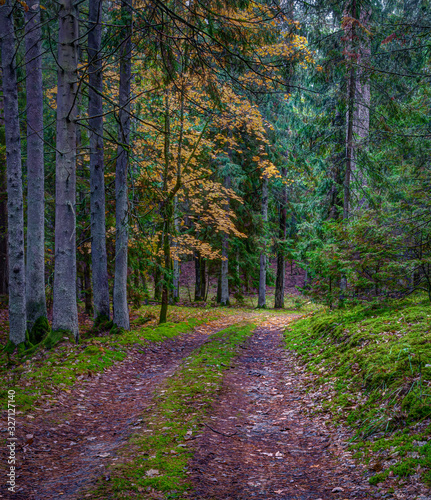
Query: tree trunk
[167,212]
[4,267]
[281,261]
[121,311]
[35,269]
[203,279]
[197,260]
[17,309]
[261,303]
[361,120]
[358,106]
[224,272]
[65,312]
[176,263]
[97,168]
[224,283]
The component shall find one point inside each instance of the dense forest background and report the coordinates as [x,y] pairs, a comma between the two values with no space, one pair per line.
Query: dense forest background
[237,141]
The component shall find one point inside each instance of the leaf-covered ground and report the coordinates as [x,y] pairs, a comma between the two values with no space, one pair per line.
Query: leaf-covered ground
[230,404]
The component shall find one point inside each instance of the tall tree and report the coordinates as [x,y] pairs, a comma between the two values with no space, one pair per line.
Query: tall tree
[4,267]
[281,260]
[224,271]
[17,306]
[35,268]
[65,312]
[261,303]
[97,170]
[356,20]
[121,310]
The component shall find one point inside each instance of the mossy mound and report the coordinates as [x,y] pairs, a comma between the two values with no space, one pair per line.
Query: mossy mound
[117,330]
[40,330]
[56,336]
[373,363]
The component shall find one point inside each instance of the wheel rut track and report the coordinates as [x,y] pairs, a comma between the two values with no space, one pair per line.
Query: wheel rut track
[76,439]
[274,451]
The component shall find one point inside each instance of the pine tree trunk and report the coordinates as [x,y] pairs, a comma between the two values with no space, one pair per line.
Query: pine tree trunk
[262,271]
[281,261]
[224,283]
[97,167]
[121,310]
[167,213]
[358,106]
[361,114]
[65,312]
[4,267]
[35,269]
[176,263]
[224,272]
[197,260]
[203,279]
[17,307]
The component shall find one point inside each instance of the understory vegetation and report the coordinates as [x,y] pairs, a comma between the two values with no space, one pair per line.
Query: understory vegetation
[371,369]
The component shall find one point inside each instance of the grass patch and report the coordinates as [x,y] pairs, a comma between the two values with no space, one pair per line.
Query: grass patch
[36,376]
[155,460]
[371,368]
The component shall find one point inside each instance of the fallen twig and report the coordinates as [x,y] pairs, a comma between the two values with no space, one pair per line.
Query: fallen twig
[218,432]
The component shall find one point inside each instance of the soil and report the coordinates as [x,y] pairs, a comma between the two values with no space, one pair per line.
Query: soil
[260,440]
[259,443]
[68,444]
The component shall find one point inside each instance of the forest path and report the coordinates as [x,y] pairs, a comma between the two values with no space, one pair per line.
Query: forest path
[259,444]
[77,437]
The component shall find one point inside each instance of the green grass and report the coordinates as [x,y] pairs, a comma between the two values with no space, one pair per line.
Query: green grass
[372,366]
[156,458]
[38,375]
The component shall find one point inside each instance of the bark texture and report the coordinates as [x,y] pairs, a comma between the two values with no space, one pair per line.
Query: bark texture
[4,260]
[281,261]
[176,262]
[197,260]
[224,282]
[358,50]
[65,313]
[97,167]
[262,271]
[17,308]
[121,310]
[224,273]
[4,267]
[35,267]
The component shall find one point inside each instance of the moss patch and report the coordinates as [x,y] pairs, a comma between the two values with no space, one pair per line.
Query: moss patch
[372,367]
[156,459]
[40,330]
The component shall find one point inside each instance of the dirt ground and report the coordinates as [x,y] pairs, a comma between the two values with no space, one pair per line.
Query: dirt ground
[258,442]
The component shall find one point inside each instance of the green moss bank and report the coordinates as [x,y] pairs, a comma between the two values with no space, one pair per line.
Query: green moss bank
[372,364]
